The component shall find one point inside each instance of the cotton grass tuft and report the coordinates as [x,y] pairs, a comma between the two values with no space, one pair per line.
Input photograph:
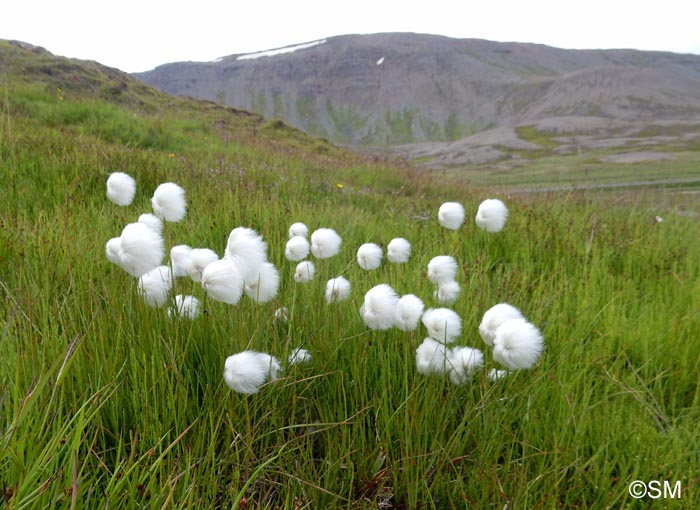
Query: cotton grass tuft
[398,251]
[223,282]
[325,243]
[431,357]
[407,314]
[200,258]
[142,249]
[462,363]
[337,289]
[517,345]
[246,371]
[369,256]
[494,317]
[491,215]
[379,307]
[297,248]
[264,287]
[298,230]
[155,286]
[305,271]
[451,215]
[168,202]
[186,307]
[121,188]
[443,324]
[447,293]
[442,269]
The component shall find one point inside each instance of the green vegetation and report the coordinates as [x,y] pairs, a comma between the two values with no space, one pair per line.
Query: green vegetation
[107,403]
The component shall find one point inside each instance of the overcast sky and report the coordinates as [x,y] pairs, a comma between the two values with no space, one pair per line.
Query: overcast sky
[140,35]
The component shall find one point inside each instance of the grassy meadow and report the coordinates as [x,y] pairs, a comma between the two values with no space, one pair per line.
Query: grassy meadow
[108,403]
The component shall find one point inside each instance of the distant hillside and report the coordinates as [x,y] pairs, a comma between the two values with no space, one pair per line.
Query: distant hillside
[391,89]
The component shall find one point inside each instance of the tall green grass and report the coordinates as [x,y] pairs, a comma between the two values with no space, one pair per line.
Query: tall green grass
[107,403]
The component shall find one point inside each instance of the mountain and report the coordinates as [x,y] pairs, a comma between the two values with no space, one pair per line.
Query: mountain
[403,88]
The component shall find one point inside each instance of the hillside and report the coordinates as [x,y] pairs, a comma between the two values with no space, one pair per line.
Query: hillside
[399,88]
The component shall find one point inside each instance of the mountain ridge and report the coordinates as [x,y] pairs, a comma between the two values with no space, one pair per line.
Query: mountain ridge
[402,88]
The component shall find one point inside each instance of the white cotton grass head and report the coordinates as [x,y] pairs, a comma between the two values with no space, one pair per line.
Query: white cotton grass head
[337,289]
[491,215]
[494,317]
[186,307]
[325,243]
[496,375]
[369,256]
[121,188]
[247,371]
[153,222]
[299,356]
[447,293]
[462,363]
[113,249]
[451,215]
[431,357]
[407,314]
[247,250]
[379,307]
[263,288]
[518,344]
[442,269]
[142,249]
[398,251]
[169,202]
[281,315]
[443,324]
[223,282]
[155,286]
[200,258]
[181,260]
[298,230]
[297,248]
[305,271]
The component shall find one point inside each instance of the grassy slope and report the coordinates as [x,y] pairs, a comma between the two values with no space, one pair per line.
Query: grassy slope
[107,403]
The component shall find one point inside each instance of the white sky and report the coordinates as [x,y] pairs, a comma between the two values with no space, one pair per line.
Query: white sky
[140,35]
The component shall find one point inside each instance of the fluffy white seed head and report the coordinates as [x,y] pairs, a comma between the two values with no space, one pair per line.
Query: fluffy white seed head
[281,315]
[517,345]
[431,357]
[186,307]
[113,248]
[153,221]
[299,356]
[369,256]
[463,362]
[408,311]
[298,229]
[142,249]
[492,215]
[246,371]
[443,324]
[337,289]
[496,375]
[305,271]
[223,282]
[442,269]
[199,259]
[181,260]
[447,293]
[379,307]
[265,286]
[121,188]
[297,248]
[325,243]
[398,250]
[451,215]
[155,286]
[494,317]
[247,250]
[168,202]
